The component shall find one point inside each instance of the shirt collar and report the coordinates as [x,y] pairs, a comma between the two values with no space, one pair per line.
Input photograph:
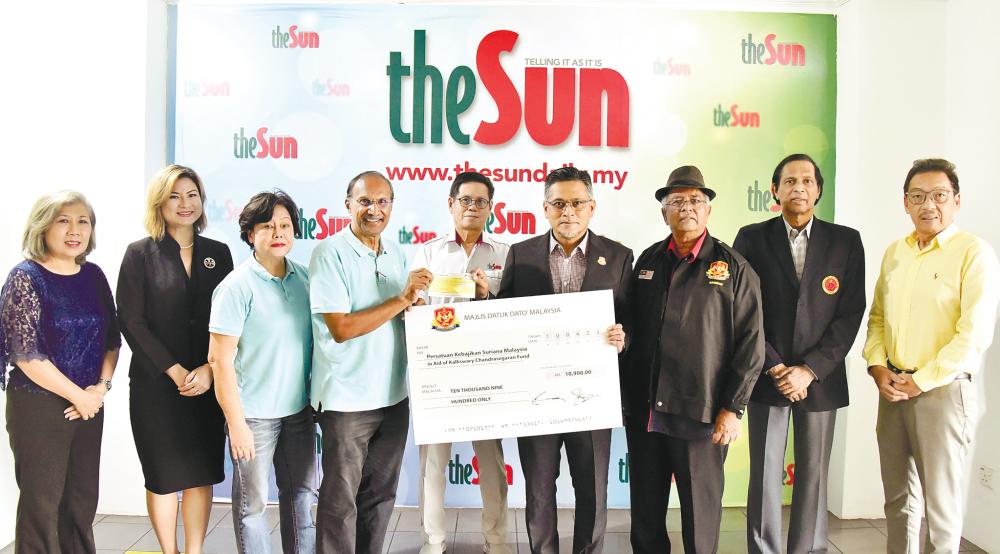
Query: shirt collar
[941,238]
[458,238]
[262,271]
[807,230]
[359,247]
[582,247]
[672,247]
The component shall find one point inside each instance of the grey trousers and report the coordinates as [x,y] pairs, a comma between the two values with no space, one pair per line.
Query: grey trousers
[813,442]
[362,453]
[924,445]
[588,453]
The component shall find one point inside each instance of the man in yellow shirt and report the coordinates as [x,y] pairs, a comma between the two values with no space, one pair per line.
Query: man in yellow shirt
[931,321]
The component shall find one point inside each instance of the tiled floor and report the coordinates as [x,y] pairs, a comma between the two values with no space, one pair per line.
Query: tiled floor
[117,534]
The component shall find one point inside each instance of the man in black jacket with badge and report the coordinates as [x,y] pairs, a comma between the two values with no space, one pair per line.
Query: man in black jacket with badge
[812,276]
[697,348]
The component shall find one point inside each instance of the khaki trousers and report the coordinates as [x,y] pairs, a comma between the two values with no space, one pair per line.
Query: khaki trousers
[924,445]
[434,460]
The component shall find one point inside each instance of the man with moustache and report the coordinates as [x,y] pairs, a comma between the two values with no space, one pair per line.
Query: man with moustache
[468,251]
[931,321]
[696,350]
[359,286]
[570,258]
[812,284]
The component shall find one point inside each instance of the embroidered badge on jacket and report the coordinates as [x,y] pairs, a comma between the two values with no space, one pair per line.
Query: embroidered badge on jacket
[717,272]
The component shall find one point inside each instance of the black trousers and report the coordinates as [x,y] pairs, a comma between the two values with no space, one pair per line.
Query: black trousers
[57,468]
[587,453]
[697,468]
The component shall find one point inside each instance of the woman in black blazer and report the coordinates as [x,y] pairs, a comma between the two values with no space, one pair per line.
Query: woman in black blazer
[164,295]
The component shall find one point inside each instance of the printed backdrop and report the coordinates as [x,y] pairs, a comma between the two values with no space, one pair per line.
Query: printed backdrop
[304,97]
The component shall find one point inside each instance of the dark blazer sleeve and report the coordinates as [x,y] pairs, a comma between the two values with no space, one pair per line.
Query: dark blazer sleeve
[506,289]
[748,341]
[743,245]
[830,351]
[131,296]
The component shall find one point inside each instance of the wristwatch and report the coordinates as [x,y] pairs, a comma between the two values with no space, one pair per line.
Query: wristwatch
[105,382]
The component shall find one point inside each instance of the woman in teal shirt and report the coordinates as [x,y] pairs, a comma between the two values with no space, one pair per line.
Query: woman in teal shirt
[261,352]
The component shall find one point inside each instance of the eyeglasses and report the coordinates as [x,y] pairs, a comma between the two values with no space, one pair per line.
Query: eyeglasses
[382,203]
[561,205]
[679,203]
[939,196]
[468,201]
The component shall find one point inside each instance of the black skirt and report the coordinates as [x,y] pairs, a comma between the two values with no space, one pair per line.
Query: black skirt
[181,441]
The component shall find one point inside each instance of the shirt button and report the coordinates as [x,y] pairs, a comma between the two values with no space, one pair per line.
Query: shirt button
[659,403]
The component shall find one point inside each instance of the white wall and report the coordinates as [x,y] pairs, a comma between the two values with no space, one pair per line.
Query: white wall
[917,78]
[973,142]
[888,116]
[75,116]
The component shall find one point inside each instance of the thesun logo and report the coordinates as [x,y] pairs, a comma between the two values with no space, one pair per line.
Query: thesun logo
[277,147]
[734,118]
[760,200]
[578,93]
[444,319]
[784,53]
[293,38]
[321,226]
[330,88]
[415,236]
[197,89]
[671,67]
[468,474]
[507,221]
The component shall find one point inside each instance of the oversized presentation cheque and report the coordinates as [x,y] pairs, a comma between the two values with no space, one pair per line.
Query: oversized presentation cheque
[515,367]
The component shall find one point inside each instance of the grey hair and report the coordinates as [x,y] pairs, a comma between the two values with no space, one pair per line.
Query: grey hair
[43,215]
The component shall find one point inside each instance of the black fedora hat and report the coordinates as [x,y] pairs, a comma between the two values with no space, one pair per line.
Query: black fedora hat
[685,177]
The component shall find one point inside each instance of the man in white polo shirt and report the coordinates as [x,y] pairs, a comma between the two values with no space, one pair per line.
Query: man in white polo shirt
[470,251]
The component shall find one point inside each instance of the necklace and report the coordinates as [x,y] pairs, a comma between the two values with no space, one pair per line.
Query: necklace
[186,247]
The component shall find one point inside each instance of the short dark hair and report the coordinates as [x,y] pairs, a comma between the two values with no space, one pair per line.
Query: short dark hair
[932,165]
[568,173]
[470,177]
[797,158]
[365,175]
[260,209]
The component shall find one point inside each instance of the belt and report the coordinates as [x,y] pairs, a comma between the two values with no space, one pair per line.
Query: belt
[964,376]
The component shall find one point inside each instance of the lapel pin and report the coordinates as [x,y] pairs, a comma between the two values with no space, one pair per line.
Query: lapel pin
[601,261]
[209,263]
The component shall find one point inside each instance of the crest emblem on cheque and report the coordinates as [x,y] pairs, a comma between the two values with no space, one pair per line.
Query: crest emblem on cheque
[444,319]
[717,272]
[831,284]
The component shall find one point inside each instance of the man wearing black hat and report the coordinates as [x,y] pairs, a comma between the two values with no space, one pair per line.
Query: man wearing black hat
[697,349]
